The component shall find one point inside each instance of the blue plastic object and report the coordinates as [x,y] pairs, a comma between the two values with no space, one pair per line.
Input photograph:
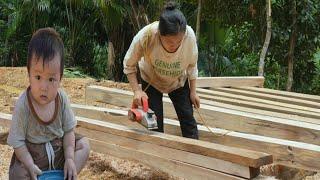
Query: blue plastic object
[51,175]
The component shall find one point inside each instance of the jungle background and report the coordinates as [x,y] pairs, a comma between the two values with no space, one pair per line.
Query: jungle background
[230,34]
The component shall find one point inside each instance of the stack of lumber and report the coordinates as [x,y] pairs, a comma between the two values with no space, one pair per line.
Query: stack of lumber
[187,158]
[242,114]
[252,126]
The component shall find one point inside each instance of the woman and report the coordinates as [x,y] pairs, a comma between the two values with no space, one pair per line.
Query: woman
[167,54]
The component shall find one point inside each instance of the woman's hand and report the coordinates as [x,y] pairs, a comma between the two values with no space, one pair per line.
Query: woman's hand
[138,95]
[195,99]
[70,171]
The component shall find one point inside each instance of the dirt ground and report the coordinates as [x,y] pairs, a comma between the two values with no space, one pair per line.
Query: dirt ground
[14,80]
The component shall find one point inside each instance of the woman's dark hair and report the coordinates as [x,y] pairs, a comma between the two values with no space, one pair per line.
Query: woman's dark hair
[171,21]
[46,43]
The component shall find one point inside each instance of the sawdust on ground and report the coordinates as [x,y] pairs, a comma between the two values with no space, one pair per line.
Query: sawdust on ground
[100,166]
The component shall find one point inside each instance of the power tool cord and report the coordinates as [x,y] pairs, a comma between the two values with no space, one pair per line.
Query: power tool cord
[205,124]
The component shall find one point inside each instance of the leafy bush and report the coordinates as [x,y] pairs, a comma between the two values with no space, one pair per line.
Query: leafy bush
[74,73]
[100,61]
[275,76]
[315,86]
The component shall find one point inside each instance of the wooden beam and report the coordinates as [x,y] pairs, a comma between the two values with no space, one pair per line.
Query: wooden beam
[235,155]
[224,118]
[301,155]
[277,128]
[200,164]
[306,112]
[195,160]
[278,98]
[307,97]
[97,93]
[261,112]
[169,166]
[254,81]
[288,153]
[260,98]
[117,116]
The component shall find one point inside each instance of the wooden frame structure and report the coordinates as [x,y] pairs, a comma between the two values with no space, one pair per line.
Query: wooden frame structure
[293,139]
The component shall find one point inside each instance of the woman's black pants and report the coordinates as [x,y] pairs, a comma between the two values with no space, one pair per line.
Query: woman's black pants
[182,104]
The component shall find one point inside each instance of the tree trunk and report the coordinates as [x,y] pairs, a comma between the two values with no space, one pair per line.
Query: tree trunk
[209,60]
[198,21]
[293,38]
[135,14]
[267,39]
[111,59]
[144,15]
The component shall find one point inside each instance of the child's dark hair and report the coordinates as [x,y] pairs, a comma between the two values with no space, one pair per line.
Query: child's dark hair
[46,43]
[171,21]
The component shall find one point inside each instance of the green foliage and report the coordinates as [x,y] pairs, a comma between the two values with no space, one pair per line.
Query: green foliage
[76,72]
[227,51]
[113,12]
[245,24]
[275,76]
[231,37]
[245,66]
[308,16]
[100,61]
[315,86]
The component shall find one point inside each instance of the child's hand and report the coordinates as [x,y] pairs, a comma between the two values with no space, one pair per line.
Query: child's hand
[70,171]
[34,171]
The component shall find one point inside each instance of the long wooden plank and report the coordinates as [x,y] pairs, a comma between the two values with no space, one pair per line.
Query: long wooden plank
[173,154]
[305,113]
[277,98]
[278,128]
[308,97]
[289,153]
[254,81]
[235,155]
[302,155]
[124,98]
[112,115]
[224,118]
[260,98]
[161,151]
[169,166]
[262,112]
